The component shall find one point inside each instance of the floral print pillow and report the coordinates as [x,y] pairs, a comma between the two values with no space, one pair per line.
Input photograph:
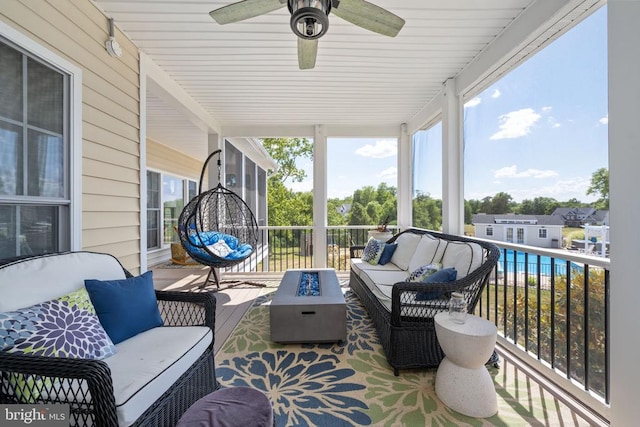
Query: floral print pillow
[373,251]
[64,327]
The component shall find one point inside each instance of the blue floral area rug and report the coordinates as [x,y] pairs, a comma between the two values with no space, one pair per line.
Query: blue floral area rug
[351,383]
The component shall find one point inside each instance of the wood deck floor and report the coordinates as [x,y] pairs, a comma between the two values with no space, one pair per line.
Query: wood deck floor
[232,302]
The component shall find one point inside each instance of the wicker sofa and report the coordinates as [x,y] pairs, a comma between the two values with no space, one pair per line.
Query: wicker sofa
[405,325]
[152,378]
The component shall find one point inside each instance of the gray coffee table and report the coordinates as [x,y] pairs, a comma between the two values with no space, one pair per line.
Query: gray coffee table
[308,313]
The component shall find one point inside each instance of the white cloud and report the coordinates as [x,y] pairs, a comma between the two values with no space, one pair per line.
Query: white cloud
[604,120]
[496,94]
[473,102]
[383,148]
[512,172]
[546,109]
[516,123]
[389,174]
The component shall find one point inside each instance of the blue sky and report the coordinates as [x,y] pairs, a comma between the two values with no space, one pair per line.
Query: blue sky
[539,131]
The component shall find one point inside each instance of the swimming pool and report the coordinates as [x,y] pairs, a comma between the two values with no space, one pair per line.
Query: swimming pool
[532,263]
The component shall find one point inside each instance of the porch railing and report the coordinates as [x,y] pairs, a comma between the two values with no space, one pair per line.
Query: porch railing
[551,306]
[282,248]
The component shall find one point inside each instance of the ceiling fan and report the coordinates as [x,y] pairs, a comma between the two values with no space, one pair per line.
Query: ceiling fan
[310,19]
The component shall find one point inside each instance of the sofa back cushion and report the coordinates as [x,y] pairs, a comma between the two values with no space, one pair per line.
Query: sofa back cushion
[428,251]
[463,256]
[407,243]
[36,280]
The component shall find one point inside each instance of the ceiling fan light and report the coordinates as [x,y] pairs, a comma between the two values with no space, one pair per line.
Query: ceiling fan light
[309,18]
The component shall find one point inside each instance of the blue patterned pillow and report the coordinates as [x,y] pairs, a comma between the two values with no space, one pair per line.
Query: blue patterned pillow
[373,251]
[421,273]
[63,327]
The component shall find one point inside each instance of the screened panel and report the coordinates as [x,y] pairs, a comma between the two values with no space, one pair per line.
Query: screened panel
[45,164]
[10,83]
[11,163]
[45,97]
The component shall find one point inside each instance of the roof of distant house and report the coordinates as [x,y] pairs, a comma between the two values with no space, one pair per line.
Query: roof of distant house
[519,219]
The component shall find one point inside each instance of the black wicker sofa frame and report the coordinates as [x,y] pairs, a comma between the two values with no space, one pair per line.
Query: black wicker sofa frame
[86,385]
[407,330]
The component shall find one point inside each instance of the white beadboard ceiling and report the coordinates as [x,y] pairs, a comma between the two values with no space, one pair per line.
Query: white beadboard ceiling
[245,75]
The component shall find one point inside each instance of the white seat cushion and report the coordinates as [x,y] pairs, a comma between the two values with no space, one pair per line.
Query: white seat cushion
[29,282]
[358,266]
[381,283]
[147,364]
[463,256]
[428,251]
[407,244]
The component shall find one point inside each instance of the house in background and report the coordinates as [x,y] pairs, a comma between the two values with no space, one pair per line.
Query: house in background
[543,231]
[577,217]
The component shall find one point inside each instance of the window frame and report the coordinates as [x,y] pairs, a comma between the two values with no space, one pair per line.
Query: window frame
[542,231]
[163,245]
[69,227]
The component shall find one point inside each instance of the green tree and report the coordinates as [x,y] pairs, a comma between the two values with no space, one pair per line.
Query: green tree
[286,152]
[374,211]
[501,203]
[358,214]
[600,187]
[427,212]
[334,214]
[285,206]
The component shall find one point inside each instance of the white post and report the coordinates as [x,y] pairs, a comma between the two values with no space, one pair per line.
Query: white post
[320,219]
[452,161]
[624,133]
[405,173]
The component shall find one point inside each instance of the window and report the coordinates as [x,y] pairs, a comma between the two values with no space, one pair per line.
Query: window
[153,210]
[166,197]
[542,233]
[35,196]
[489,231]
[172,204]
[520,236]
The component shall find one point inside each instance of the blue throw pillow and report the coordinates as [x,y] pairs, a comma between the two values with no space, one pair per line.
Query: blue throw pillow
[125,307]
[445,275]
[387,253]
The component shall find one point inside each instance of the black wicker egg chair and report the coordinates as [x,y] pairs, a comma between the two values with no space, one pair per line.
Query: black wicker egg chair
[218,229]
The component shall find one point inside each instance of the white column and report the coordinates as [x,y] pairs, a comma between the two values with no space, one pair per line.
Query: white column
[143,164]
[320,219]
[624,174]
[214,142]
[405,175]
[452,161]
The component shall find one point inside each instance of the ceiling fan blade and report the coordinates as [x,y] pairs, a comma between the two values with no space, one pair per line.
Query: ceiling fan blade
[245,9]
[369,16]
[307,52]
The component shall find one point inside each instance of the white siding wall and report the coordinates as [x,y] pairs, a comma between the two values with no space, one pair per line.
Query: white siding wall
[167,160]
[77,31]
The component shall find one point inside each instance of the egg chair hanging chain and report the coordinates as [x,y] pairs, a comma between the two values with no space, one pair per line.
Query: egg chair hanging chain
[204,168]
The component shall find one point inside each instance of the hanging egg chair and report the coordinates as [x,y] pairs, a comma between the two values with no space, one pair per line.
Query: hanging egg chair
[217,228]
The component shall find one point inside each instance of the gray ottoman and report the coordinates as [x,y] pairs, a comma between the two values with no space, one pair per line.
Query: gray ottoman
[230,407]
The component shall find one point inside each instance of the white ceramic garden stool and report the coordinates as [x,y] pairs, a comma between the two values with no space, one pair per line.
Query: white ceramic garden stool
[463,382]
